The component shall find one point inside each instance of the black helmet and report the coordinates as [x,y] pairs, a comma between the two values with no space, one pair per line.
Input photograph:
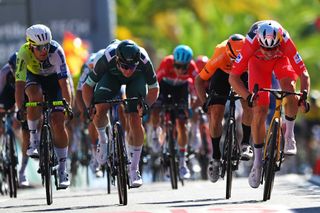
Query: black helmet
[128,52]
[13,61]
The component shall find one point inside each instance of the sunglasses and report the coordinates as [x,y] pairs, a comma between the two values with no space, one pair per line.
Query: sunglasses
[40,48]
[181,66]
[127,66]
[269,49]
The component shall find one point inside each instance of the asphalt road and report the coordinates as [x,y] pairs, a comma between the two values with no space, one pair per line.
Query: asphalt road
[292,193]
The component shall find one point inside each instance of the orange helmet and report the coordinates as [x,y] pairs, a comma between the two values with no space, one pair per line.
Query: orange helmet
[234,45]
[201,61]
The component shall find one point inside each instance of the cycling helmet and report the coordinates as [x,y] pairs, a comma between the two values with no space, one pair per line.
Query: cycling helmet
[269,34]
[128,52]
[38,34]
[201,61]
[234,45]
[13,60]
[182,54]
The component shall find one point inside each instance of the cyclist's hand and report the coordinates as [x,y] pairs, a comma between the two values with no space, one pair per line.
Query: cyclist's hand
[251,99]
[303,103]
[90,112]
[205,107]
[143,108]
[21,115]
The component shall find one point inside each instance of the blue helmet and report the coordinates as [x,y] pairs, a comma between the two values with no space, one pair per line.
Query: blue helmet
[13,61]
[182,54]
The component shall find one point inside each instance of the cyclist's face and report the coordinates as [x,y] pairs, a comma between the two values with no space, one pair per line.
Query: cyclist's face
[269,52]
[41,51]
[127,70]
[180,69]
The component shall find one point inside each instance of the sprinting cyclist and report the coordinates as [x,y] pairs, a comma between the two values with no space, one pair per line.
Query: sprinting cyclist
[268,47]
[123,63]
[42,70]
[217,72]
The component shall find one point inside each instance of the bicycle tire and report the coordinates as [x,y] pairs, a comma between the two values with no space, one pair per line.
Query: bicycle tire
[172,160]
[270,160]
[108,179]
[230,140]
[121,165]
[46,163]
[13,174]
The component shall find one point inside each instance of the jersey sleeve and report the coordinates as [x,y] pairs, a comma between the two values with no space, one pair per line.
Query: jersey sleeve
[99,70]
[294,57]
[161,71]
[59,60]
[151,77]
[21,67]
[212,65]
[240,65]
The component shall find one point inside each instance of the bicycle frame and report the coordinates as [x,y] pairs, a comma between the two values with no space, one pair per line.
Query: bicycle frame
[47,159]
[10,160]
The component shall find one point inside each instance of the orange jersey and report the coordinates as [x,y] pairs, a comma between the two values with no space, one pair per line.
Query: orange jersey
[219,60]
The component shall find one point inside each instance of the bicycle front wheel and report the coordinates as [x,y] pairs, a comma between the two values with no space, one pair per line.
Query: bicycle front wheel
[173,162]
[121,167]
[230,140]
[46,169]
[13,177]
[270,160]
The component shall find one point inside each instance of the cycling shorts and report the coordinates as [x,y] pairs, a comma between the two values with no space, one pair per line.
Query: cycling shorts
[219,85]
[109,87]
[174,94]
[49,85]
[260,72]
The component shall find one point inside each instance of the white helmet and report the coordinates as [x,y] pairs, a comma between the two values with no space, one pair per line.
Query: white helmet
[38,34]
[269,34]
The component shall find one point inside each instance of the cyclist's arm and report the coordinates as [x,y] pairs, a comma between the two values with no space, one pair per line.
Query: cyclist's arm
[238,85]
[21,73]
[152,82]
[298,65]
[207,71]
[65,90]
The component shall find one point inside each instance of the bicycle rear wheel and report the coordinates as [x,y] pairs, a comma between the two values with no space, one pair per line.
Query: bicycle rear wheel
[46,168]
[270,160]
[121,165]
[13,177]
[172,158]
[230,140]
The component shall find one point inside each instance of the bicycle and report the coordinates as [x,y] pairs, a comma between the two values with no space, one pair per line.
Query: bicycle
[116,166]
[169,159]
[9,159]
[273,154]
[47,159]
[231,154]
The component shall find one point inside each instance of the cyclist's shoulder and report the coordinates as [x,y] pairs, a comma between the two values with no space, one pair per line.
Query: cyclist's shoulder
[24,52]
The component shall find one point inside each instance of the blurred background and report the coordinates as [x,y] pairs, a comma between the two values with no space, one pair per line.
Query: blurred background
[85,26]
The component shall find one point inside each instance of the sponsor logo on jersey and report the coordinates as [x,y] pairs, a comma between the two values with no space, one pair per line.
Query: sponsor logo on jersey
[239,58]
[297,58]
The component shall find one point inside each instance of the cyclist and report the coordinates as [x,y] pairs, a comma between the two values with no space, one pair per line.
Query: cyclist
[176,75]
[268,47]
[7,90]
[42,70]
[217,72]
[123,62]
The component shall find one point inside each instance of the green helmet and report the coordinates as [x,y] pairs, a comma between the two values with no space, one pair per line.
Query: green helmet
[128,52]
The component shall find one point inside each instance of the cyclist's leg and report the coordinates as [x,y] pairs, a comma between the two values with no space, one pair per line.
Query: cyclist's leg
[246,150]
[260,72]
[135,88]
[51,88]
[34,93]
[101,119]
[220,85]
[25,143]
[287,79]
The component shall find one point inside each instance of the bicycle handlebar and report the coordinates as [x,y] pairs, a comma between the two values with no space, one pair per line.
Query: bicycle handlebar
[51,104]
